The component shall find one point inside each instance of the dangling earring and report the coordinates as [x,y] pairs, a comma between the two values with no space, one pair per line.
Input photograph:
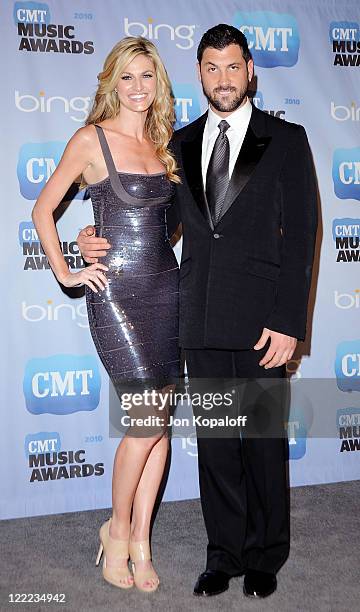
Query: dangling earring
[115,90]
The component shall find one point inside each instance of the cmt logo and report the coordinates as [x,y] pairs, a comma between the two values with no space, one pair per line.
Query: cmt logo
[348,417]
[346,173]
[346,235]
[273,38]
[42,442]
[345,43]
[36,313]
[257,99]
[345,113]
[37,162]
[344,30]
[297,434]
[345,301]
[61,384]
[347,365]
[77,107]
[345,228]
[348,423]
[182,34]
[187,105]
[27,232]
[33,253]
[31,12]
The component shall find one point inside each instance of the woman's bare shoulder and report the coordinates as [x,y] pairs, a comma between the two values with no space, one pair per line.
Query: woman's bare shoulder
[85,135]
[83,142]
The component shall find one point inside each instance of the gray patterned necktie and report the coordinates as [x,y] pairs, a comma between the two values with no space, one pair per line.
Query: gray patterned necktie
[217,176]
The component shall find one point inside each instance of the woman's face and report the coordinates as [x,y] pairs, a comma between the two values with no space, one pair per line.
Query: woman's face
[136,87]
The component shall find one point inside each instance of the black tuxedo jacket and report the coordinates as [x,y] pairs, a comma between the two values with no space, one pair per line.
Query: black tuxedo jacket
[253,270]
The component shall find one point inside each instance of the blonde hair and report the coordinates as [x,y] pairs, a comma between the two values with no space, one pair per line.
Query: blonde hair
[160,118]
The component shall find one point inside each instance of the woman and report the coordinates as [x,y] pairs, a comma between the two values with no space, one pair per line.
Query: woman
[122,156]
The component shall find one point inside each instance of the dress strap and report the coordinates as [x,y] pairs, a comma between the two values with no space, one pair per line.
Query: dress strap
[109,161]
[115,179]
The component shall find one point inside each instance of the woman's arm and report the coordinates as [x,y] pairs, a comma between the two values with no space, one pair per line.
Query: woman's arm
[76,157]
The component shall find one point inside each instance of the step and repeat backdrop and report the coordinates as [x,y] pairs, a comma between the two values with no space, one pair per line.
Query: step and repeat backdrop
[56,453]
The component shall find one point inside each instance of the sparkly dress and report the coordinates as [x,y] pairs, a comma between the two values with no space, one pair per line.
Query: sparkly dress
[134,320]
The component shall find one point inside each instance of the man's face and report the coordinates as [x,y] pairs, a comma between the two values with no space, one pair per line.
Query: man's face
[225,77]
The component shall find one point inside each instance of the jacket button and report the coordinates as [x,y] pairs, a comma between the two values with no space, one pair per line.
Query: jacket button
[216,235]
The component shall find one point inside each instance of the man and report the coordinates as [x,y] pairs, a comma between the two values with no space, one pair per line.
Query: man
[247,203]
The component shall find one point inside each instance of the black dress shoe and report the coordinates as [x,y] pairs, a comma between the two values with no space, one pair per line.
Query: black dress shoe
[211,582]
[259,584]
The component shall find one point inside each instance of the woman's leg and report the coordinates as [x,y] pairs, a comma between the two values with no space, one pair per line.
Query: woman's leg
[148,488]
[145,497]
[138,469]
[130,459]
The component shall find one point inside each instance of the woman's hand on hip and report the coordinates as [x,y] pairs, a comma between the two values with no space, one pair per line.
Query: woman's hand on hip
[92,276]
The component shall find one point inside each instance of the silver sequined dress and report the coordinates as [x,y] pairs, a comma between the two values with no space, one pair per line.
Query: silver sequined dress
[134,321]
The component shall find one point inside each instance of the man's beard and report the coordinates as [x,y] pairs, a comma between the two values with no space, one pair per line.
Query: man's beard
[221,104]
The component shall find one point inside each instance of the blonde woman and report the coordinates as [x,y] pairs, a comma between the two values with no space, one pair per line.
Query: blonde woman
[122,156]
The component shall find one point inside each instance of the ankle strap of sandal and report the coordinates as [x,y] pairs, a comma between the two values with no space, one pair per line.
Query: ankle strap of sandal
[140,551]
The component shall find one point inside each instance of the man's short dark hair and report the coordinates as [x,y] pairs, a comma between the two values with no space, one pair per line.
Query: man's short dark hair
[221,36]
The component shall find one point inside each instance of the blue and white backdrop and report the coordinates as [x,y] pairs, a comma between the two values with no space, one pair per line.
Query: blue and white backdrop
[54,390]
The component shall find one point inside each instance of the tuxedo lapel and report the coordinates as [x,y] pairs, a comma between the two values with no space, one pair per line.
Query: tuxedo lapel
[191,157]
[254,146]
[249,156]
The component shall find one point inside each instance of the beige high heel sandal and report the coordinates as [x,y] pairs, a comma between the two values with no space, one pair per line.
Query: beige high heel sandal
[140,551]
[117,576]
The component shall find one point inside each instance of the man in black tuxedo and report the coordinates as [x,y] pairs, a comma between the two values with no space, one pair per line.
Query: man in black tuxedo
[247,204]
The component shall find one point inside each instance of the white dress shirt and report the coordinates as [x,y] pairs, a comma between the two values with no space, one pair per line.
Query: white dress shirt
[238,121]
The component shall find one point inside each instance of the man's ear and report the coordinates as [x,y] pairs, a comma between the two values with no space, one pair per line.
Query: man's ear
[198,71]
[250,67]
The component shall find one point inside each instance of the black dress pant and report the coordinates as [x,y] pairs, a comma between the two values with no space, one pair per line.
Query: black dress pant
[243,478]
